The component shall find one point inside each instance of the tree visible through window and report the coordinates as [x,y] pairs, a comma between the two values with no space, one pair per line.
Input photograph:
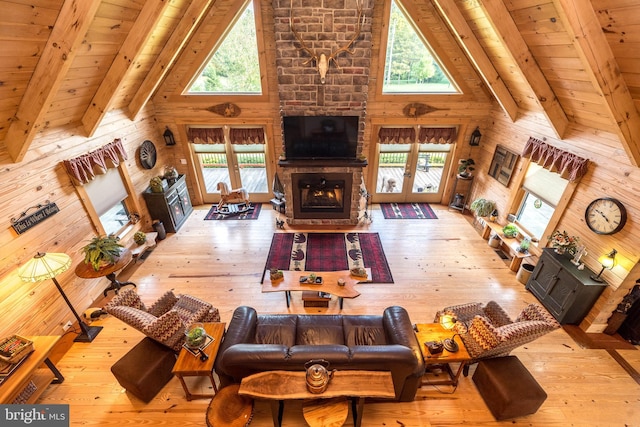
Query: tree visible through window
[410,67]
[234,67]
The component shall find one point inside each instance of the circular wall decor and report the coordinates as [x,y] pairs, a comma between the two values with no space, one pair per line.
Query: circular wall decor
[148,154]
[605,215]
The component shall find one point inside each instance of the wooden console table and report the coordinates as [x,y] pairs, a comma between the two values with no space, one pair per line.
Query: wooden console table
[511,244]
[32,370]
[278,386]
[291,282]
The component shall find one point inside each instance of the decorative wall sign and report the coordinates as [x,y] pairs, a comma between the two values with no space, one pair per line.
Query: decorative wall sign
[25,222]
[147,154]
[418,109]
[227,109]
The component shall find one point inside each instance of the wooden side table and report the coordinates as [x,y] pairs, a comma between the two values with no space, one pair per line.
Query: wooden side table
[86,271]
[435,332]
[189,365]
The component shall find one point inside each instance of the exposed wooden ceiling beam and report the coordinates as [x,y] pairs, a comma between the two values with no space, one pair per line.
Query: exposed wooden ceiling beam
[584,27]
[182,33]
[502,22]
[62,46]
[140,32]
[476,54]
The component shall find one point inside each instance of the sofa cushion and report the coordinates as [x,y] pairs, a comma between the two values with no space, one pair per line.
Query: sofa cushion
[276,329]
[318,330]
[363,330]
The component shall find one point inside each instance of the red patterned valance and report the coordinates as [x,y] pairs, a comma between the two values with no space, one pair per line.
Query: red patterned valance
[396,136]
[437,135]
[206,135]
[556,160]
[84,168]
[246,136]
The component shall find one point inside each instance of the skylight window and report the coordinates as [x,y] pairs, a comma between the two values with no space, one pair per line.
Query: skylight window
[410,65]
[234,66]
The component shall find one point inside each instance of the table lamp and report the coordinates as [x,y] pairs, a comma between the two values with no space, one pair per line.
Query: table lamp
[448,321]
[607,261]
[47,266]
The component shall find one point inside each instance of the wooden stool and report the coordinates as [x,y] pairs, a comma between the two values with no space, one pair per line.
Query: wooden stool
[326,412]
[229,409]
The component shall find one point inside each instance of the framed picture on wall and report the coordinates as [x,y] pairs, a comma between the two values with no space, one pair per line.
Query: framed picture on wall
[503,164]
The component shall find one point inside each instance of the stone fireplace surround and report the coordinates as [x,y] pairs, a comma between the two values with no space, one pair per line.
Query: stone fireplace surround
[325,26]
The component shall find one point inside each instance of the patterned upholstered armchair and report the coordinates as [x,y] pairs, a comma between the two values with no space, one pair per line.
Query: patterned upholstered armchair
[487,331]
[166,319]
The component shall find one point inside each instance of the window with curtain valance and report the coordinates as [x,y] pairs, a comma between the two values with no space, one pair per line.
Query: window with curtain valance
[206,135]
[245,136]
[556,160]
[426,135]
[84,168]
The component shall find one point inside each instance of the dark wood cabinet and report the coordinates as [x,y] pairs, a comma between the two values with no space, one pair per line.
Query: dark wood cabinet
[568,293]
[172,207]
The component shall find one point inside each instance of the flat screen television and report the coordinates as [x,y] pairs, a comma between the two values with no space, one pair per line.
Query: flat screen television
[320,137]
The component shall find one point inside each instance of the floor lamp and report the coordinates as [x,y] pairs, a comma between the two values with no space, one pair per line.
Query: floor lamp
[47,266]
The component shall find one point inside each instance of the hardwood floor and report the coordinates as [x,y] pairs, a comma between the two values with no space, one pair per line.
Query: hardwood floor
[434,263]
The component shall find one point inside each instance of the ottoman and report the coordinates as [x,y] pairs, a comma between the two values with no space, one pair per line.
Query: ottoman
[145,369]
[508,388]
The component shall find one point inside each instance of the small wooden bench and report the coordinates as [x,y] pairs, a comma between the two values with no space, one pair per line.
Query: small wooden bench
[509,245]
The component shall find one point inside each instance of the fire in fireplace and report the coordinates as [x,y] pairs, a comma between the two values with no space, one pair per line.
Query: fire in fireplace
[322,195]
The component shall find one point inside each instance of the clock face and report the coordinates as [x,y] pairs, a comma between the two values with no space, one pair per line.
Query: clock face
[605,215]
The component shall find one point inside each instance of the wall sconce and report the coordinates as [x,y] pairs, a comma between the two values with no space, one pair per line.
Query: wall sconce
[607,261]
[475,137]
[168,137]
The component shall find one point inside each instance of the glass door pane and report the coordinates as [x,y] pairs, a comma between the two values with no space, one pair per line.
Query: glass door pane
[252,168]
[213,168]
[392,164]
[429,171]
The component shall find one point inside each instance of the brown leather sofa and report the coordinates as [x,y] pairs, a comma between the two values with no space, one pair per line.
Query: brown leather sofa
[263,342]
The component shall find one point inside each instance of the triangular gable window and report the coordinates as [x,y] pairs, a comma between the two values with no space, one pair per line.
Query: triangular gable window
[410,65]
[234,66]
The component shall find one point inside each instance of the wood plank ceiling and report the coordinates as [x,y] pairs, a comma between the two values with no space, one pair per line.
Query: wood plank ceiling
[69,62]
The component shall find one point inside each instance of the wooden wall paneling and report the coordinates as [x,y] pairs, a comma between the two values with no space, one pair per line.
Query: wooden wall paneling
[140,32]
[38,308]
[167,56]
[53,64]
[459,27]
[582,22]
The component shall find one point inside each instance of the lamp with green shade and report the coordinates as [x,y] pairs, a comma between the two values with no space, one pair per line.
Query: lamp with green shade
[45,266]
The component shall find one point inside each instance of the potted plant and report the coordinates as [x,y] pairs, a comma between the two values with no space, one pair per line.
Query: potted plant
[482,207]
[196,336]
[510,230]
[465,168]
[493,216]
[140,237]
[156,184]
[101,251]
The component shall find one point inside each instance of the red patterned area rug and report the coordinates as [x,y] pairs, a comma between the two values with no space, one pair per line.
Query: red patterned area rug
[253,213]
[329,252]
[407,211]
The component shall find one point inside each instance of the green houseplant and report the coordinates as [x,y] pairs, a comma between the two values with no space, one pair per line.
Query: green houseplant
[140,237]
[510,230]
[482,207]
[101,251]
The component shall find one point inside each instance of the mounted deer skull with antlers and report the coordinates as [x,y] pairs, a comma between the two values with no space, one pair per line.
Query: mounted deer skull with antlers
[323,61]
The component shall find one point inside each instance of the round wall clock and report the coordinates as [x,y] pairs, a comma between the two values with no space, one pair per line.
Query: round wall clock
[605,215]
[148,154]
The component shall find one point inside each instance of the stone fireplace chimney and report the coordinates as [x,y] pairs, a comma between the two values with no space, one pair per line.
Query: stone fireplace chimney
[324,26]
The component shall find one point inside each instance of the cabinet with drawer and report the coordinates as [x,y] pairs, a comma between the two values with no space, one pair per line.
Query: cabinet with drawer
[172,207]
[568,293]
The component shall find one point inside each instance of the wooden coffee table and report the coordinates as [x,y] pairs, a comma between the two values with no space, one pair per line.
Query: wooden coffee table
[189,365]
[278,386]
[435,332]
[290,282]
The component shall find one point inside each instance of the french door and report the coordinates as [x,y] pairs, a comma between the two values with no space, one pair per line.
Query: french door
[407,173]
[237,165]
